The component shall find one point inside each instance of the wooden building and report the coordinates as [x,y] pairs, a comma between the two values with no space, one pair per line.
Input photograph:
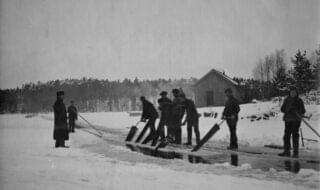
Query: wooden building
[209,90]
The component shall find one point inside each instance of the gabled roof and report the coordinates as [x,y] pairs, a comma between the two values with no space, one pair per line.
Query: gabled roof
[222,75]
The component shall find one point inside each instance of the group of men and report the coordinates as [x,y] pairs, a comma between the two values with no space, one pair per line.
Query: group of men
[62,127]
[172,113]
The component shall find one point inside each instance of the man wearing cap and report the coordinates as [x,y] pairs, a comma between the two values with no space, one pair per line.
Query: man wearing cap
[150,113]
[72,116]
[60,133]
[164,107]
[293,109]
[230,114]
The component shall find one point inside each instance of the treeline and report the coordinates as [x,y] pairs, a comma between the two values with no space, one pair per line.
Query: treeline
[275,74]
[272,76]
[89,94]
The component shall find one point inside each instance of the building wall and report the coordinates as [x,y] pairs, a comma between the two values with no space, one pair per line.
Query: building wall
[216,84]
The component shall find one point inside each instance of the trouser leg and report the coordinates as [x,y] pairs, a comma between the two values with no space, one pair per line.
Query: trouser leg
[233,135]
[159,133]
[197,132]
[178,135]
[71,125]
[295,135]
[287,137]
[189,131]
[161,129]
[151,125]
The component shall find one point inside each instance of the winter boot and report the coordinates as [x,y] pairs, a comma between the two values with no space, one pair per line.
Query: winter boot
[285,154]
[232,147]
[295,154]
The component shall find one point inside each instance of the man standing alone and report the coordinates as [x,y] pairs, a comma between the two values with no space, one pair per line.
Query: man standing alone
[72,115]
[293,109]
[60,133]
[230,113]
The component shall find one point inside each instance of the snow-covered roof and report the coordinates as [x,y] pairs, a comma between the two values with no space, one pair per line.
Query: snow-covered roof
[222,75]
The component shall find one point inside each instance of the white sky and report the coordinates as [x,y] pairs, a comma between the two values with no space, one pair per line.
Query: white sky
[43,40]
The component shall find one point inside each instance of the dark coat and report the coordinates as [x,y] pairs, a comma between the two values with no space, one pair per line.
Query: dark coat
[148,112]
[191,110]
[291,107]
[72,113]
[164,107]
[231,109]
[177,111]
[60,121]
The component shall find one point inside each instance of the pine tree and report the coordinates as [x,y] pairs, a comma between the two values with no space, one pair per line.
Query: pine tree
[280,79]
[302,72]
[315,62]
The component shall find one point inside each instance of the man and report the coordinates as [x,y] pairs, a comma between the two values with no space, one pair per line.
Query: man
[150,113]
[177,112]
[293,109]
[164,107]
[230,113]
[192,120]
[72,115]
[60,133]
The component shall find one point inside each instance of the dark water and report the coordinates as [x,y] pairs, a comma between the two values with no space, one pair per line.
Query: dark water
[234,159]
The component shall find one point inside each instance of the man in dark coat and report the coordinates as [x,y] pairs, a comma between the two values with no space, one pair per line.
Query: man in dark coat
[192,120]
[60,133]
[230,113]
[177,112]
[293,109]
[164,107]
[72,116]
[150,113]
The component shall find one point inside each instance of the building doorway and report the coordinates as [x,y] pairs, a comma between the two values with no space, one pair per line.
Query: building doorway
[210,100]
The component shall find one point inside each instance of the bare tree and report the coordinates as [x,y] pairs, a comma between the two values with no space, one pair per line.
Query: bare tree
[259,71]
[279,62]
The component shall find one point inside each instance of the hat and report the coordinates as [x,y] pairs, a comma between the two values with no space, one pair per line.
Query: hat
[175,91]
[60,93]
[142,98]
[293,88]
[163,93]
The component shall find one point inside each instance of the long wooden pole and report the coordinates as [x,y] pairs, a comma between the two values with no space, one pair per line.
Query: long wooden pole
[90,125]
[308,125]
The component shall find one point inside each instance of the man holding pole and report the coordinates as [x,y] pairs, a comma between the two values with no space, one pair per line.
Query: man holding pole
[230,113]
[293,109]
[164,107]
[149,112]
[192,121]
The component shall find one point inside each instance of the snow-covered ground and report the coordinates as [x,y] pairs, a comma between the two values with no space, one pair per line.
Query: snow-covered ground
[254,133]
[29,161]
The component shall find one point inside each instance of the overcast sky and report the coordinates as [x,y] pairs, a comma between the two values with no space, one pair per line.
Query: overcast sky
[43,40]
